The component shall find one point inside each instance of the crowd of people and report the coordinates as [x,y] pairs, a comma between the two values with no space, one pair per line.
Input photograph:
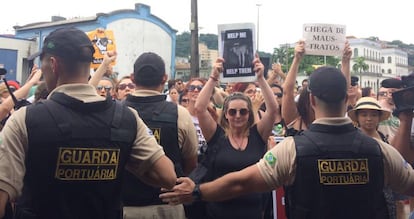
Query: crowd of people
[99,146]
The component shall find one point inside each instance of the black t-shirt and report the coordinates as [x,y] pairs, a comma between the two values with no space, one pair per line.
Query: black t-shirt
[229,159]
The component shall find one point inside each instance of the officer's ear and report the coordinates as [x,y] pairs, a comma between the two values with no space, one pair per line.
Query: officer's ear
[312,100]
[164,78]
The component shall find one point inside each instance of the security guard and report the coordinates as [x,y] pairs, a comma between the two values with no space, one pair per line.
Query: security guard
[173,128]
[331,170]
[65,156]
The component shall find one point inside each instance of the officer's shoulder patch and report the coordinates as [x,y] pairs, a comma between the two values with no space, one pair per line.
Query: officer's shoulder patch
[270,158]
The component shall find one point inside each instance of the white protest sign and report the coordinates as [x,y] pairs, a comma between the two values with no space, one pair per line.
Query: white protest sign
[324,39]
[237,47]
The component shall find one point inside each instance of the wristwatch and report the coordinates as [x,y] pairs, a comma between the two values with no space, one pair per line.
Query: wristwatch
[197,193]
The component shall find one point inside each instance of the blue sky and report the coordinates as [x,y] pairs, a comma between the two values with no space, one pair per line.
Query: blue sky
[279,21]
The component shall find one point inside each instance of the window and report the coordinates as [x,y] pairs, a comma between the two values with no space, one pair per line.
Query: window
[389,59]
[382,60]
[389,71]
[355,52]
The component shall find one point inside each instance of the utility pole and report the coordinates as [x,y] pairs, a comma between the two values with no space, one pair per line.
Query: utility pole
[195,69]
[258,23]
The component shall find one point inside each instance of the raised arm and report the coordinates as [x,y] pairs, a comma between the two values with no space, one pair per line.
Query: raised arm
[22,92]
[276,72]
[109,57]
[346,63]
[289,110]
[207,123]
[264,126]
[402,139]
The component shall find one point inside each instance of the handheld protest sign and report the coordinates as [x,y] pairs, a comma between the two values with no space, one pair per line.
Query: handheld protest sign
[103,41]
[324,39]
[237,47]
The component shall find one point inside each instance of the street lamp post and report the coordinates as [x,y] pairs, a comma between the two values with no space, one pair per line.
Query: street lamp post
[258,23]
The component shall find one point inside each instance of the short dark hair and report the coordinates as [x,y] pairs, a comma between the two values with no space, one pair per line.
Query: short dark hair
[149,70]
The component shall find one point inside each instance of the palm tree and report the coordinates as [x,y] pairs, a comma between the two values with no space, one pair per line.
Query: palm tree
[279,55]
[360,66]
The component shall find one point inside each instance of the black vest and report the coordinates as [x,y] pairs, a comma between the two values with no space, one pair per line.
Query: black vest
[161,117]
[339,174]
[76,157]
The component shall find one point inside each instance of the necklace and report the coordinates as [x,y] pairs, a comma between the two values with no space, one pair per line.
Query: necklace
[238,144]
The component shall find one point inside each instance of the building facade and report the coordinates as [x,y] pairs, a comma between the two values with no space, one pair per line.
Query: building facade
[382,60]
[13,56]
[135,31]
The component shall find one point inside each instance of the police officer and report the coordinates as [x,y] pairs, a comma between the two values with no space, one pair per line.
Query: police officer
[65,156]
[173,128]
[331,170]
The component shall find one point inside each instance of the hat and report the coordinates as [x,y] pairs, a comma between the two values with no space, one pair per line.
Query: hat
[13,84]
[328,84]
[149,69]
[391,83]
[368,103]
[68,43]
[354,80]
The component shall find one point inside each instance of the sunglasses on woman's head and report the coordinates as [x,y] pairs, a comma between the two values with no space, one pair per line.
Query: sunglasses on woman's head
[124,86]
[193,87]
[233,112]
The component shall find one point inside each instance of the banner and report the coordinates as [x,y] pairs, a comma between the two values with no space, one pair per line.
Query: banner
[324,39]
[237,47]
[103,41]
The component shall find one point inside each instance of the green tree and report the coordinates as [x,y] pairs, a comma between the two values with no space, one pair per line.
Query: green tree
[183,45]
[279,55]
[360,66]
[211,40]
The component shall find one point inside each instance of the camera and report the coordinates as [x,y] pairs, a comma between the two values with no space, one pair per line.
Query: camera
[404,99]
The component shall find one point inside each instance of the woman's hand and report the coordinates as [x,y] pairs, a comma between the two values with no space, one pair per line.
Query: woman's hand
[217,68]
[300,49]
[258,66]
[346,56]
[257,101]
[34,76]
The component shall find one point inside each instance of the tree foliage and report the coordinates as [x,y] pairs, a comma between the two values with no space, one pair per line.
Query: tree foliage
[284,55]
[183,45]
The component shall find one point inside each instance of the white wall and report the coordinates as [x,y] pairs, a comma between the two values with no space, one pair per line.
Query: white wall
[134,37]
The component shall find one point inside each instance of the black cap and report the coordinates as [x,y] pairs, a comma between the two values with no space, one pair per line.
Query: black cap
[149,69]
[68,43]
[354,80]
[391,83]
[328,84]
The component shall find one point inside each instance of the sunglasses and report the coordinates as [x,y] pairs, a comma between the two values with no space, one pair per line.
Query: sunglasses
[100,87]
[185,100]
[233,112]
[278,94]
[124,86]
[193,87]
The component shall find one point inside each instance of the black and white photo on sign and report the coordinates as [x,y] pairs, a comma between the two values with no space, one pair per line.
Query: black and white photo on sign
[236,46]
[324,39]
